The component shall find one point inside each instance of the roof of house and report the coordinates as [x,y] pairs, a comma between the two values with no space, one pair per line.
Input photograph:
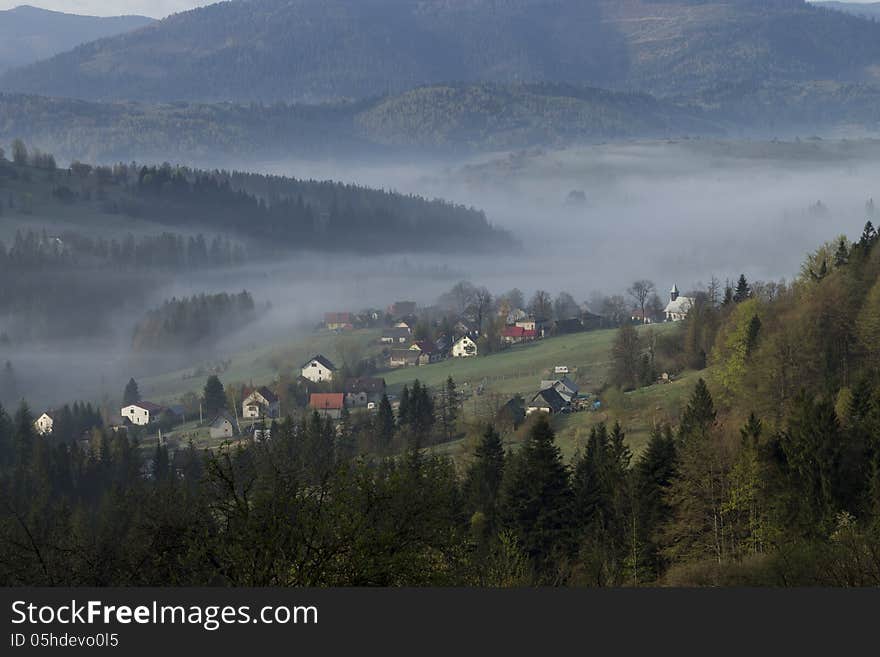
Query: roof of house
[463,338]
[323,360]
[425,346]
[147,406]
[365,384]
[548,398]
[49,414]
[396,332]
[518,332]
[407,355]
[327,401]
[265,393]
[680,306]
[218,421]
[564,382]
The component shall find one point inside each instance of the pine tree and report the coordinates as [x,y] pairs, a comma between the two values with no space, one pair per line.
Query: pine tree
[131,395]
[537,502]
[654,474]
[214,395]
[384,426]
[483,481]
[743,291]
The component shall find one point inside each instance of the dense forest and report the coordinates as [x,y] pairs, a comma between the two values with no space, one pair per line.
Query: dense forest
[771,477]
[193,322]
[283,50]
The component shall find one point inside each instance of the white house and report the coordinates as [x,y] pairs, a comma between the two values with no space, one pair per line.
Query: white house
[44,424]
[318,369]
[678,307]
[141,413]
[261,402]
[464,348]
[222,427]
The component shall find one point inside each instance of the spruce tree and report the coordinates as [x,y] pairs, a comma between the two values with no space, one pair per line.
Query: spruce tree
[214,395]
[654,473]
[483,481]
[384,426]
[743,291]
[131,395]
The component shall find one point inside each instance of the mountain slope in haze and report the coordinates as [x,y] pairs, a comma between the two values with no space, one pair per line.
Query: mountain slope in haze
[294,50]
[864,9]
[438,118]
[29,34]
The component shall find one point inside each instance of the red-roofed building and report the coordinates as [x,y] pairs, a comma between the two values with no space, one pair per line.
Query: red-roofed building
[328,403]
[514,334]
[338,321]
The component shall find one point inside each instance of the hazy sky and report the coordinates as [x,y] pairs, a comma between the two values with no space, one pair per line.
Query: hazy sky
[154,8]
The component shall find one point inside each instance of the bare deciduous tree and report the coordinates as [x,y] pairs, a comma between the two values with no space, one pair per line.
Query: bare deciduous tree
[639,292]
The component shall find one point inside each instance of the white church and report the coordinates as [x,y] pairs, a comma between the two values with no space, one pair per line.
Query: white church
[678,307]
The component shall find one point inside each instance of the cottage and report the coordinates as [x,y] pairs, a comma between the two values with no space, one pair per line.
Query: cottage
[329,404]
[318,369]
[260,403]
[360,393]
[396,336]
[547,401]
[404,358]
[44,424]
[142,413]
[567,388]
[532,323]
[464,348]
[427,350]
[338,321]
[517,334]
[222,427]
[678,307]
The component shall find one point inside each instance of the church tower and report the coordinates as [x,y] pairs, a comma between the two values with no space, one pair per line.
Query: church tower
[673,293]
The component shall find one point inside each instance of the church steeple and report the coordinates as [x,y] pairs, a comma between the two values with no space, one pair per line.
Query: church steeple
[673,293]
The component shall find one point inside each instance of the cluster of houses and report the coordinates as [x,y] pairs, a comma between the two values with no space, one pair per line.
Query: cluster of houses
[352,393]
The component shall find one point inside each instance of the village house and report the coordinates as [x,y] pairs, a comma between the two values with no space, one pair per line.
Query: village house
[547,401]
[363,392]
[221,426]
[678,307]
[566,388]
[516,334]
[428,352]
[260,403]
[404,358]
[464,348]
[338,321]
[318,369]
[396,336]
[142,413]
[532,323]
[44,424]
[329,404]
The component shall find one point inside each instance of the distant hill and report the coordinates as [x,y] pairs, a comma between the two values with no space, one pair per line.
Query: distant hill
[29,34]
[864,9]
[445,117]
[312,50]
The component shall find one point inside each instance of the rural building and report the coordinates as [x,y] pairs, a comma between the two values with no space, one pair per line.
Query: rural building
[396,336]
[567,388]
[547,401]
[329,404]
[318,369]
[678,307]
[261,402]
[533,324]
[428,352]
[222,427]
[568,326]
[404,358]
[338,321]
[364,391]
[517,334]
[44,424]
[142,413]
[464,348]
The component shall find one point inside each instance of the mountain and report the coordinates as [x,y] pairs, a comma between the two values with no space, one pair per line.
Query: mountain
[313,50]
[29,34]
[438,118]
[869,10]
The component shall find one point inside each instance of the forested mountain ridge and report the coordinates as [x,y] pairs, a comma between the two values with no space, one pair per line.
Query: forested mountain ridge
[864,9]
[295,50]
[455,117]
[29,34]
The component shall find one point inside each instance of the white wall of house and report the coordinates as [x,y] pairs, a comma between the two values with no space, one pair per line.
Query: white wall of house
[44,424]
[136,415]
[315,371]
[464,348]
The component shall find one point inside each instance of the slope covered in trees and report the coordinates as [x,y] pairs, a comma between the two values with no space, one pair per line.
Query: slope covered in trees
[269,50]
[29,34]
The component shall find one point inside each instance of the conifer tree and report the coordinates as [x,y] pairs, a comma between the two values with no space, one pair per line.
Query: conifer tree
[483,481]
[654,473]
[743,291]
[214,395]
[131,395]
